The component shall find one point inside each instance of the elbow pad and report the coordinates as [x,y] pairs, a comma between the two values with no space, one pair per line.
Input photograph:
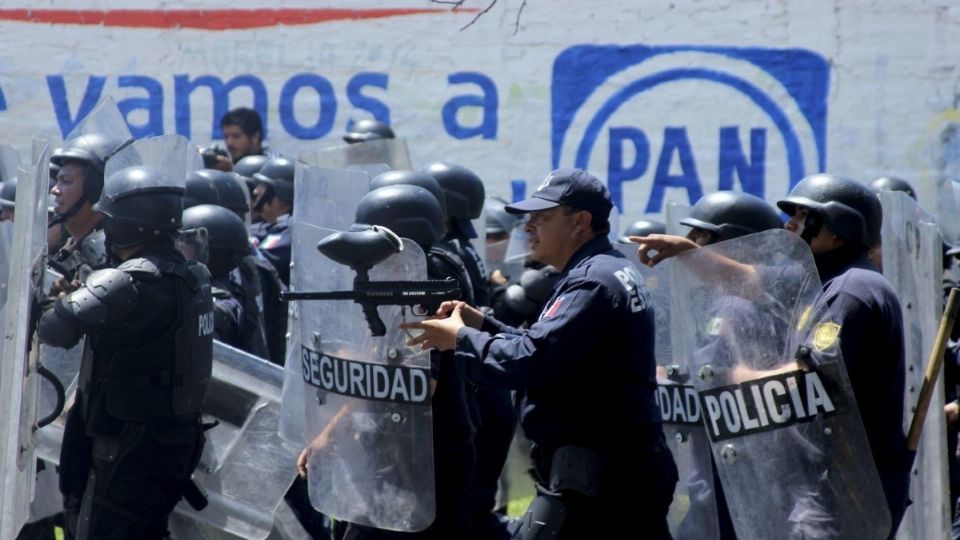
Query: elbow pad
[108,296]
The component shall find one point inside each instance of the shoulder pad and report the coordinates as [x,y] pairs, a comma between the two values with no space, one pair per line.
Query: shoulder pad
[220,294]
[93,250]
[108,295]
[140,268]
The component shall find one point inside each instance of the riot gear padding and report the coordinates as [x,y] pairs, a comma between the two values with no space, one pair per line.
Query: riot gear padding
[642,227]
[227,239]
[463,190]
[8,192]
[140,204]
[730,214]
[409,211]
[361,247]
[278,173]
[892,183]
[108,296]
[368,130]
[849,209]
[411,178]
[499,221]
[147,389]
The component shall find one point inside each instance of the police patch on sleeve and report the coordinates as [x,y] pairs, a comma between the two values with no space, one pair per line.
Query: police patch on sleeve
[825,336]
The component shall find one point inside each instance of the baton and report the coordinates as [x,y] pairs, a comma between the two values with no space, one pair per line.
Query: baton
[934,363]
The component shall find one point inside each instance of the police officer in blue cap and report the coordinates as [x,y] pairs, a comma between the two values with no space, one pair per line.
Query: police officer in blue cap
[585,372]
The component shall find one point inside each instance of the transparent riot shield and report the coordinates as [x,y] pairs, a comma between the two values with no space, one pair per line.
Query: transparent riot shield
[693,513]
[912,262]
[6,242]
[786,435]
[18,359]
[675,212]
[948,208]
[9,161]
[325,198]
[392,152]
[245,469]
[366,400]
[169,153]
[104,129]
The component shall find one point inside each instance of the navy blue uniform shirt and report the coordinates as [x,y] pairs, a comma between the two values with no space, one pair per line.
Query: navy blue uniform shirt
[275,246]
[586,367]
[865,307]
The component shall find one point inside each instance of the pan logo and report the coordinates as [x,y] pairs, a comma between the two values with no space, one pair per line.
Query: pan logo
[667,124]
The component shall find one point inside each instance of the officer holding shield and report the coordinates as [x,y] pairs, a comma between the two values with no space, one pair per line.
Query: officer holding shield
[585,369]
[134,435]
[858,314]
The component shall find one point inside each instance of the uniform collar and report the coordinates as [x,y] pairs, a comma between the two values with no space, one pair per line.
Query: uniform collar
[598,244]
[838,261]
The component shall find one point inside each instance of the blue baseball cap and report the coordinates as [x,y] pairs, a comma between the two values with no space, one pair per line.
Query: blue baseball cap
[575,188]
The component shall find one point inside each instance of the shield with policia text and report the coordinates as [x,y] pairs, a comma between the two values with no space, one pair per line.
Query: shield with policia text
[693,513]
[363,400]
[775,399]
[391,152]
[18,359]
[912,262]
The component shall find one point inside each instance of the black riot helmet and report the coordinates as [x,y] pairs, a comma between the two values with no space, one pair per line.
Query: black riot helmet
[411,178]
[368,130]
[93,150]
[849,209]
[8,193]
[463,194]
[892,183]
[249,166]
[140,204]
[642,227]
[212,186]
[732,214]
[499,221]
[227,241]
[409,211]
[278,173]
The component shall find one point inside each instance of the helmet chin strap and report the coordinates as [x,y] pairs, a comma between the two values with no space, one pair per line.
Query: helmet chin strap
[811,227]
[264,198]
[61,218]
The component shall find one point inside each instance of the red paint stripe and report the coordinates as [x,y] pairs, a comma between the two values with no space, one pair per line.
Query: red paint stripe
[206,19]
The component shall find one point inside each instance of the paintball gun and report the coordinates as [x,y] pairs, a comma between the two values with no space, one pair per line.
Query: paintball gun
[361,247]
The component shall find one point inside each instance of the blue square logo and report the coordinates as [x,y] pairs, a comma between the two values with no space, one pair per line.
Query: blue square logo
[670,123]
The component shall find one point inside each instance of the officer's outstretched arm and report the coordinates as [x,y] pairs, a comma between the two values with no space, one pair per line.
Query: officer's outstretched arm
[107,298]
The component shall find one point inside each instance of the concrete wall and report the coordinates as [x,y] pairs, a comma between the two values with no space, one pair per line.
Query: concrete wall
[665,101]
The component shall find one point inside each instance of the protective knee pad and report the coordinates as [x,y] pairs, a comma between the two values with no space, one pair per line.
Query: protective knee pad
[543,520]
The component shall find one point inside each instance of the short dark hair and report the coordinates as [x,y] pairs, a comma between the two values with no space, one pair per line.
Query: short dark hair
[248,120]
[597,224]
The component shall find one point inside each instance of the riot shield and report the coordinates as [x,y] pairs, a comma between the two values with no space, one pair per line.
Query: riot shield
[675,212]
[912,258]
[18,358]
[366,401]
[693,513]
[323,198]
[948,208]
[104,128]
[786,428]
[391,152]
[245,469]
[9,161]
[169,153]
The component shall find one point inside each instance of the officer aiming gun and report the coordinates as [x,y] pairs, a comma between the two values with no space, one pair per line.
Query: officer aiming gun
[362,247]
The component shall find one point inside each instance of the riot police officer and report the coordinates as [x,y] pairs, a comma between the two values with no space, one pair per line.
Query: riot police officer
[368,130]
[414,213]
[237,318]
[134,435]
[273,198]
[586,370]
[246,168]
[79,183]
[840,220]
